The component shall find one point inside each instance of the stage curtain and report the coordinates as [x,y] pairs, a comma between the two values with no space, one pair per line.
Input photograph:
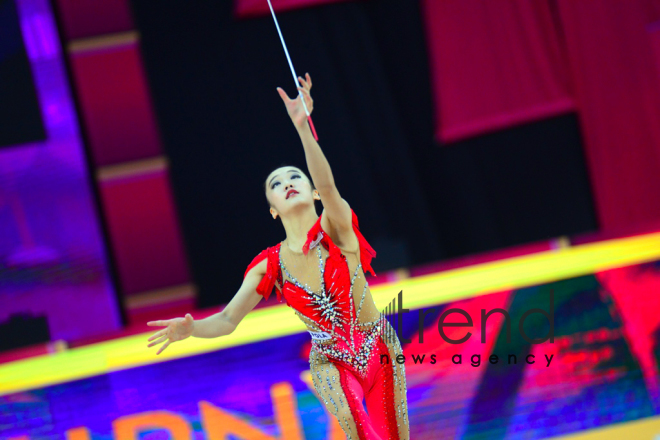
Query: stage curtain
[252,8]
[494,64]
[616,80]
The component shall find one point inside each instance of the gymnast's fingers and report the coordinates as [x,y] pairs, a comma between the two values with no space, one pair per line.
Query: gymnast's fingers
[159,323]
[309,80]
[164,347]
[308,97]
[160,333]
[158,341]
[309,102]
[283,95]
[303,82]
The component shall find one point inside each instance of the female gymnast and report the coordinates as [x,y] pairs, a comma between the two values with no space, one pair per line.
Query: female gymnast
[319,270]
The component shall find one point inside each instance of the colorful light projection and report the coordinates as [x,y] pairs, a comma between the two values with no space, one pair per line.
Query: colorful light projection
[603,371]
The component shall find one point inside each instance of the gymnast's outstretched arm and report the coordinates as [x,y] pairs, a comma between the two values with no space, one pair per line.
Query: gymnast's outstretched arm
[218,324]
[337,215]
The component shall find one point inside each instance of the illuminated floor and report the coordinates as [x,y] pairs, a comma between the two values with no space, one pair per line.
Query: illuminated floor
[423,291]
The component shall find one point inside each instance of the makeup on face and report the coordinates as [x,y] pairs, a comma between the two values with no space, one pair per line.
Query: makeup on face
[272,184]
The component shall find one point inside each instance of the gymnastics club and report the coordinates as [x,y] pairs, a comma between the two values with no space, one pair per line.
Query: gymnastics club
[293,72]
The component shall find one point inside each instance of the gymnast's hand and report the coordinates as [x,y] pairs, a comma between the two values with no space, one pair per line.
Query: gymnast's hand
[177,330]
[294,106]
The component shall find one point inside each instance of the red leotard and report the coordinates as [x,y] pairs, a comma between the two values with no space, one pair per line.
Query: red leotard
[350,338]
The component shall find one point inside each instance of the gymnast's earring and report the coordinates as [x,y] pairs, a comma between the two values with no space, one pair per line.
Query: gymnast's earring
[318,196]
[274,215]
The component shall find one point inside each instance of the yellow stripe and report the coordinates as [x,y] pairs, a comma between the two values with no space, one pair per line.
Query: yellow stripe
[132,351]
[644,429]
[278,321]
[514,273]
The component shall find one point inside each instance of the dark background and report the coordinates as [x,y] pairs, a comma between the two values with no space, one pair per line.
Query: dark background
[213,80]
[20,118]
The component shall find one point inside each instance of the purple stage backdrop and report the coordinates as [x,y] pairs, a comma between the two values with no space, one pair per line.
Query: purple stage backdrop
[52,252]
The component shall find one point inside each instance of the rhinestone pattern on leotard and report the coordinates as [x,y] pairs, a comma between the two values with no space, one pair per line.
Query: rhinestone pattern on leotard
[336,314]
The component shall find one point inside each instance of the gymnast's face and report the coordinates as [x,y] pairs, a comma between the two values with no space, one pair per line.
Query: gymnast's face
[288,188]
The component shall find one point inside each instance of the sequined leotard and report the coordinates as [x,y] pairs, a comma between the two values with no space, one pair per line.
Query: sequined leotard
[349,335]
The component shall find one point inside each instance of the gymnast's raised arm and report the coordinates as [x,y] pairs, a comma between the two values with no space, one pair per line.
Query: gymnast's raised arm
[337,217]
[219,324]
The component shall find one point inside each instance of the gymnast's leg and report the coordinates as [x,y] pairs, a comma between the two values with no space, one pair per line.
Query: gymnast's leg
[342,395]
[386,400]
